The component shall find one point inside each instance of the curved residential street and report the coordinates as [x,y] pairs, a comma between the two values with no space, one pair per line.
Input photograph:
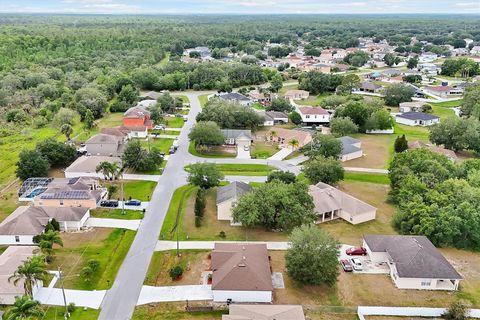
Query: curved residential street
[120,301]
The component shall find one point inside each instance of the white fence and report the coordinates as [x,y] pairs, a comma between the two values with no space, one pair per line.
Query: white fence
[406,312]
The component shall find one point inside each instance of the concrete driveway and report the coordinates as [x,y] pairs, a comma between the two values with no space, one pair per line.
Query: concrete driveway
[113,223]
[242,153]
[150,294]
[367,264]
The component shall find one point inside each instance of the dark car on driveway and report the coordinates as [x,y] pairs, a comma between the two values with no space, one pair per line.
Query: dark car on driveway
[133,202]
[346,265]
[109,203]
[356,251]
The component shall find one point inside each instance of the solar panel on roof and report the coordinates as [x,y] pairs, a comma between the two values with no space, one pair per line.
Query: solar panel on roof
[75,194]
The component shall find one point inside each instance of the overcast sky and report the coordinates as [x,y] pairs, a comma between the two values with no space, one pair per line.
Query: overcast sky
[240,6]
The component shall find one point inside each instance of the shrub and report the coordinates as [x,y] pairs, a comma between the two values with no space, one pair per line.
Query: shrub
[112,189]
[71,307]
[176,272]
[222,234]
[198,221]
[93,264]
[200,203]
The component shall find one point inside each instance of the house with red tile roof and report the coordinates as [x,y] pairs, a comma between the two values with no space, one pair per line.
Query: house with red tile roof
[137,117]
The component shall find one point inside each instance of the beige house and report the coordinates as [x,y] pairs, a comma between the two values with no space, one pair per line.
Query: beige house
[75,192]
[10,259]
[264,312]
[296,94]
[332,203]
[414,262]
[103,144]
[25,222]
[241,273]
[284,136]
[86,166]
[228,196]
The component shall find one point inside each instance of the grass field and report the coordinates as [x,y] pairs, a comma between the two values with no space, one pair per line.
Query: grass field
[213,153]
[443,112]
[174,122]
[244,169]
[376,149]
[175,311]
[162,144]
[448,104]
[263,150]
[108,246]
[193,263]
[140,190]
[412,133]
[116,214]
[183,97]
[56,313]
[9,200]
[313,100]
[107,121]
[171,132]
[367,177]
[285,88]
[203,99]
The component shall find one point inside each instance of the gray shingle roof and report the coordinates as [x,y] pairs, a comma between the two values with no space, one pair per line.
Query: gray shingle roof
[235,133]
[417,116]
[233,96]
[234,190]
[414,256]
[348,145]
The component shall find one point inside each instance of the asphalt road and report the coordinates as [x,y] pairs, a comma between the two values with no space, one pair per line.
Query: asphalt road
[120,301]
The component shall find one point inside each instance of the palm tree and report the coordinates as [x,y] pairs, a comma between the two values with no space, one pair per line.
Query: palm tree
[110,170]
[273,134]
[24,308]
[293,143]
[31,270]
[67,130]
[46,241]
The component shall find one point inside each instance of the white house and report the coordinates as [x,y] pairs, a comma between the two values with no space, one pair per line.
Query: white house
[241,273]
[25,222]
[413,106]
[10,260]
[332,203]
[228,196]
[351,148]
[296,94]
[272,118]
[85,166]
[414,262]
[417,119]
[314,115]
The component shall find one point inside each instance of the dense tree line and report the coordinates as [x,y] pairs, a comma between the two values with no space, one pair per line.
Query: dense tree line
[437,198]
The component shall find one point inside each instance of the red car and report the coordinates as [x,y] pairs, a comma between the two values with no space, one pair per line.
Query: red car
[356,251]
[346,265]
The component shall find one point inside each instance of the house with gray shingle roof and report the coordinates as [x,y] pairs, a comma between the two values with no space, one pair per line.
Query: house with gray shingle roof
[351,148]
[228,196]
[417,119]
[414,262]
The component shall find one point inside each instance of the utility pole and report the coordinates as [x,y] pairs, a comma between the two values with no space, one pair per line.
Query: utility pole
[60,277]
[178,244]
[123,198]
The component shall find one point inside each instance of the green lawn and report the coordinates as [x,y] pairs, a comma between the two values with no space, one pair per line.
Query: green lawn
[116,214]
[203,99]
[448,104]
[140,190]
[174,122]
[258,106]
[174,311]
[312,100]
[412,133]
[285,88]
[263,150]
[243,169]
[108,246]
[183,97]
[171,132]
[56,313]
[443,112]
[107,121]
[214,153]
[177,204]
[162,144]
[165,60]
[367,177]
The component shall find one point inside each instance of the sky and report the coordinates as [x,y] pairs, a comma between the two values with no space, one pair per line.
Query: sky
[240,6]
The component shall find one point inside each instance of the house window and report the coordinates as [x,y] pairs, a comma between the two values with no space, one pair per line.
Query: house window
[307,116]
[425,283]
[17,238]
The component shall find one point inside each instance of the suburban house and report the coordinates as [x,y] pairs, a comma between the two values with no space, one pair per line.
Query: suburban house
[332,203]
[151,95]
[285,136]
[296,94]
[314,115]
[451,155]
[25,222]
[137,117]
[414,262]
[235,97]
[417,119]
[274,117]
[10,260]
[370,87]
[228,196]
[257,96]
[264,312]
[75,192]
[241,273]
[441,91]
[86,166]
[351,148]
[237,137]
[147,103]
[413,106]
[128,132]
[103,144]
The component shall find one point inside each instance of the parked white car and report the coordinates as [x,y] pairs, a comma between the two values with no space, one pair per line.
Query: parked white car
[357,264]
